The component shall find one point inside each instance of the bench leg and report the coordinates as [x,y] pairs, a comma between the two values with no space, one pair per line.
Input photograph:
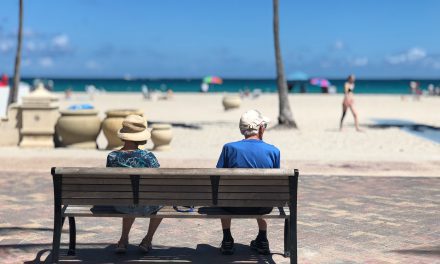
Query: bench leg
[286,238]
[57,227]
[292,238]
[72,236]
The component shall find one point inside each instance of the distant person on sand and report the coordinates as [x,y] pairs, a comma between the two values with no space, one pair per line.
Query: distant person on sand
[251,152]
[4,80]
[68,93]
[415,90]
[134,133]
[348,102]
[204,87]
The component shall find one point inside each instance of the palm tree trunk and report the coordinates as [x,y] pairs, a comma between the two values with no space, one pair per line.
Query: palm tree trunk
[13,94]
[285,117]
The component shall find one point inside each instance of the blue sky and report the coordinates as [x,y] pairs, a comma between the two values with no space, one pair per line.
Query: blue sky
[230,38]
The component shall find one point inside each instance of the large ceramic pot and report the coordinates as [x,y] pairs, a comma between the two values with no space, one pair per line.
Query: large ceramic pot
[231,102]
[78,128]
[113,123]
[161,135]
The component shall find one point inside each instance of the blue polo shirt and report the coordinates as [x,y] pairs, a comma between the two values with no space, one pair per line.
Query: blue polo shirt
[249,153]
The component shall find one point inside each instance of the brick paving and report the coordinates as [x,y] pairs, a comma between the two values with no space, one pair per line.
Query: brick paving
[341,219]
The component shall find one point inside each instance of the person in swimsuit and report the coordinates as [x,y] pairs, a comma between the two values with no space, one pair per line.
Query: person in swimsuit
[348,101]
[134,133]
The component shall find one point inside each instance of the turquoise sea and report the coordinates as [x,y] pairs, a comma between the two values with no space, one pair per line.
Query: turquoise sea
[230,85]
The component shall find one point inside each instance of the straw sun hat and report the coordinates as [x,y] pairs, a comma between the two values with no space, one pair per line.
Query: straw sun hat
[134,128]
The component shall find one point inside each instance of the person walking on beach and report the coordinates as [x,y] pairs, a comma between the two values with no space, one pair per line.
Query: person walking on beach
[134,133]
[251,152]
[348,102]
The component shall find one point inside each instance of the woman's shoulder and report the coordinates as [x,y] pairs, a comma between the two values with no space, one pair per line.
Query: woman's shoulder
[149,156]
[145,153]
[112,154]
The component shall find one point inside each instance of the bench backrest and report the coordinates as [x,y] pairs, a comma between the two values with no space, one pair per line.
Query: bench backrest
[199,187]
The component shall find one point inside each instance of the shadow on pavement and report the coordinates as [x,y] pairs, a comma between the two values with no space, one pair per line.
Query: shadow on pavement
[427,251]
[202,254]
[13,229]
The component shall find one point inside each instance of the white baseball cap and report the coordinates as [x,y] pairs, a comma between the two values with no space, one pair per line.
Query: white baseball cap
[251,120]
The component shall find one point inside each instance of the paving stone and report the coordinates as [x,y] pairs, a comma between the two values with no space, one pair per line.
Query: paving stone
[340,220]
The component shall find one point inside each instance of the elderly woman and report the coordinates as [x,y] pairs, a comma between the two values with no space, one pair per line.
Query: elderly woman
[134,133]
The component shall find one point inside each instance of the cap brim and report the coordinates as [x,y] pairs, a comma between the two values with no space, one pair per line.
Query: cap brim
[139,136]
[266,119]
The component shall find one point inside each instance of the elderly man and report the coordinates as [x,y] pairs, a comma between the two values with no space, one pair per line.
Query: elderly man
[251,152]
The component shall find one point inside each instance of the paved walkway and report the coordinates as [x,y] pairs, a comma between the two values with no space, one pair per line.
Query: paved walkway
[341,220]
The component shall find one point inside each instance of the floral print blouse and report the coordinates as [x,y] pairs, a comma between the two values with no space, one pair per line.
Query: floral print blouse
[134,159]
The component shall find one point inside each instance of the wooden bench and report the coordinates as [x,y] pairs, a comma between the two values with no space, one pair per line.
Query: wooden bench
[91,192]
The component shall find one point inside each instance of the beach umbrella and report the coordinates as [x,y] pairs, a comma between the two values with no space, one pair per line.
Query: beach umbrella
[298,76]
[213,80]
[321,82]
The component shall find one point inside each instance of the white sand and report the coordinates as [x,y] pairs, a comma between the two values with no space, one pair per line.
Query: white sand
[317,147]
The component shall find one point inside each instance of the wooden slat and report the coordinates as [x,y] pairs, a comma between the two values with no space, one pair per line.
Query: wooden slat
[95,181]
[97,188]
[177,195]
[170,202]
[118,176]
[169,171]
[101,195]
[175,188]
[255,182]
[171,196]
[99,176]
[251,203]
[254,177]
[254,196]
[253,189]
[87,201]
[166,212]
[180,202]
[185,182]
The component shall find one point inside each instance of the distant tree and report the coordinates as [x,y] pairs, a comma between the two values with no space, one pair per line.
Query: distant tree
[285,118]
[13,94]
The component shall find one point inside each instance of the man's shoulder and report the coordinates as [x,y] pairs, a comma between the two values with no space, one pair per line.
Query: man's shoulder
[271,147]
[233,144]
[240,143]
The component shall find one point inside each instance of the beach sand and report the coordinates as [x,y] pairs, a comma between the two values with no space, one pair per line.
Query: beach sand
[317,147]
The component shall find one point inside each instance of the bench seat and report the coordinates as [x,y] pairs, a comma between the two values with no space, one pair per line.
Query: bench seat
[167,212]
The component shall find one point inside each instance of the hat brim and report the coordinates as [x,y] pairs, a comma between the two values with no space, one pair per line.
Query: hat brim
[139,136]
[266,119]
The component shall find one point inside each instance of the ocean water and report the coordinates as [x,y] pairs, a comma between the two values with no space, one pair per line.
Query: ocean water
[231,85]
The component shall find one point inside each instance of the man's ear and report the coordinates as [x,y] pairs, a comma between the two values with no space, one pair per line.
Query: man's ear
[261,132]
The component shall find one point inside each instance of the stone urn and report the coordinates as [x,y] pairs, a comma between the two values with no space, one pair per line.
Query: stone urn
[161,135]
[113,122]
[78,128]
[231,102]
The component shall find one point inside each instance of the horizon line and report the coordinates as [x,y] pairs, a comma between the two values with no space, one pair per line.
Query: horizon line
[132,78]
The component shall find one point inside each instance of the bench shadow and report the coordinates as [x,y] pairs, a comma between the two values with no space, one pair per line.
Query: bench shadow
[14,229]
[202,254]
[421,251]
